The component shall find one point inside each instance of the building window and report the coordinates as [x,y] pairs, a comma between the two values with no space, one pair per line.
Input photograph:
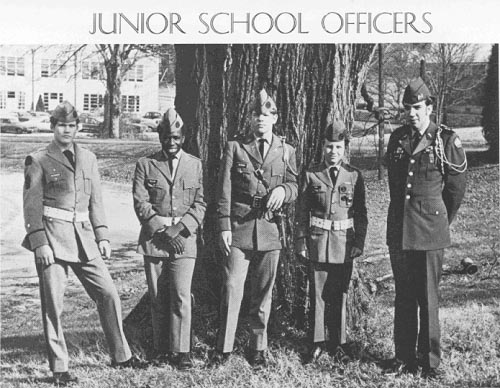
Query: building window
[3,99]
[53,68]
[135,74]
[130,104]
[92,101]
[92,70]
[11,94]
[12,66]
[22,100]
[51,100]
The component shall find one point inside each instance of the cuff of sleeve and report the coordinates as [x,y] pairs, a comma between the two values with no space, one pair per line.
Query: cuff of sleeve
[359,244]
[101,233]
[152,226]
[37,239]
[287,192]
[300,244]
[224,223]
[190,222]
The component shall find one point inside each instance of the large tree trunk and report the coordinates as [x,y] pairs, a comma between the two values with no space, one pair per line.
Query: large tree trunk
[312,84]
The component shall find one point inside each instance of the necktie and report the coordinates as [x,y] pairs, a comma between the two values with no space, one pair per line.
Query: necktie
[333,175]
[69,156]
[171,166]
[261,147]
[416,139]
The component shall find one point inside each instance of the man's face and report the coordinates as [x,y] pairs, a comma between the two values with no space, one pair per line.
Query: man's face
[65,132]
[171,140]
[418,115]
[263,123]
[333,151]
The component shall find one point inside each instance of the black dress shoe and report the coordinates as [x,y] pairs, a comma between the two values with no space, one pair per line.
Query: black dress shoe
[161,360]
[182,361]
[314,354]
[339,355]
[219,359]
[258,359]
[396,366]
[432,373]
[133,362]
[64,378]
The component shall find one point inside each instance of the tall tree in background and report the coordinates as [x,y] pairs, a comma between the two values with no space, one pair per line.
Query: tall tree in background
[490,104]
[312,85]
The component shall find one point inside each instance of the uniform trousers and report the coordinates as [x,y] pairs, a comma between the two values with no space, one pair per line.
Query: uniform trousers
[263,265]
[99,285]
[169,284]
[329,285]
[416,316]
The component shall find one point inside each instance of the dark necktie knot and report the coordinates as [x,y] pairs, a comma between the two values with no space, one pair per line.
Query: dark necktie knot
[70,157]
[171,165]
[333,174]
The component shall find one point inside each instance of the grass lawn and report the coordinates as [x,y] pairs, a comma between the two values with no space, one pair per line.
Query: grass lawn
[470,305]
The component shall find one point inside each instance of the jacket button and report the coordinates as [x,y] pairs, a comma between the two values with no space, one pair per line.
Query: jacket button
[407,197]
[437,212]
[410,173]
[408,185]
[175,208]
[412,161]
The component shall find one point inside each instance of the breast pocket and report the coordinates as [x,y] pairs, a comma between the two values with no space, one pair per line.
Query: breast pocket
[156,191]
[87,185]
[190,189]
[241,174]
[318,194]
[56,182]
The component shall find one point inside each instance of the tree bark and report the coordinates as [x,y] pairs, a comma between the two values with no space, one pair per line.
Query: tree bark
[311,84]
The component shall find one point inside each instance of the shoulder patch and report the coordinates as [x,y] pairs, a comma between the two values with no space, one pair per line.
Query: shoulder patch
[457,142]
[28,161]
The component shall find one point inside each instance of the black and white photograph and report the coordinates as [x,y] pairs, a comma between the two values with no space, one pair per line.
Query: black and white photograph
[258,195]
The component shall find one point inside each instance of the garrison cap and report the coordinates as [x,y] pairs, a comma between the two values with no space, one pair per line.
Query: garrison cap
[170,119]
[263,103]
[336,131]
[416,91]
[64,112]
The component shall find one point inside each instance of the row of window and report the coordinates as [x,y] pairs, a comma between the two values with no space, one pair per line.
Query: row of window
[14,66]
[90,101]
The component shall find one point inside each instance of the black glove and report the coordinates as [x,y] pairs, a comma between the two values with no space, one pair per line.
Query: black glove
[171,232]
[178,244]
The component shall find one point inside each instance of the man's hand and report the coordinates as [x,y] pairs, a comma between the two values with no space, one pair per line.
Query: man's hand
[225,241]
[105,248]
[178,244]
[171,232]
[355,252]
[44,255]
[276,198]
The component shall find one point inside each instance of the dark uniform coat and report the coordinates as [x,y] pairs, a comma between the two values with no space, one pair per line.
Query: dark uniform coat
[51,180]
[424,201]
[238,184]
[319,197]
[157,195]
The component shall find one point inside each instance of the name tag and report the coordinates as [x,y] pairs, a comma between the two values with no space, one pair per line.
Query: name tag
[57,175]
[152,182]
[241,165]
[316,189]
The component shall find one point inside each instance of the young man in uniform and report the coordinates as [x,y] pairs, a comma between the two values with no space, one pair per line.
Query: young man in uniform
[331,229]
[168,200]
[257,176]
[426,170]
[66,228]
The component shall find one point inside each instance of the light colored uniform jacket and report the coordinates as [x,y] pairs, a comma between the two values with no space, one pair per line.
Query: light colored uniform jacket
[50,180]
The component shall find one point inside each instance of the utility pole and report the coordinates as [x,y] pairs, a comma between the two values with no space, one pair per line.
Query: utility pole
[33,79]
[381,113]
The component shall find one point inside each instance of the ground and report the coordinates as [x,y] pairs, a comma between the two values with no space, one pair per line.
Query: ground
[470,306]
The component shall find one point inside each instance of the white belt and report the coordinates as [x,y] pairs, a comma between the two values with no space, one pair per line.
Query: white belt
[65,215]
[332,225]
[169,221]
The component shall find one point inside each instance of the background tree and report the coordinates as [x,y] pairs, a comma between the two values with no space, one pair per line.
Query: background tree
[312,84]
[490,104]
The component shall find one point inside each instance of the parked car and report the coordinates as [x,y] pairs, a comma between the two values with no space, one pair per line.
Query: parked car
[151,120]
[42,123]
[8,124]
[90,124]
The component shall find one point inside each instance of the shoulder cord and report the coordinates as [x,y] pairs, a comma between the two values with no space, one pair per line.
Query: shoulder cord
[460,168]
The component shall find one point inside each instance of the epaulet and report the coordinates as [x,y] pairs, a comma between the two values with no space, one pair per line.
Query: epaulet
[446,129]
[239,137]
[350,167]
[316,167]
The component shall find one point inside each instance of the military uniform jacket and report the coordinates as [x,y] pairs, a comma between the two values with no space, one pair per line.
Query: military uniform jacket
[238,183]
[156,194]
[424,201]
[318,197]
[50,180]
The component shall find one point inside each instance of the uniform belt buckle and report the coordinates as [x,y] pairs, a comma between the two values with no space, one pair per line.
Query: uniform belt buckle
[257,202]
